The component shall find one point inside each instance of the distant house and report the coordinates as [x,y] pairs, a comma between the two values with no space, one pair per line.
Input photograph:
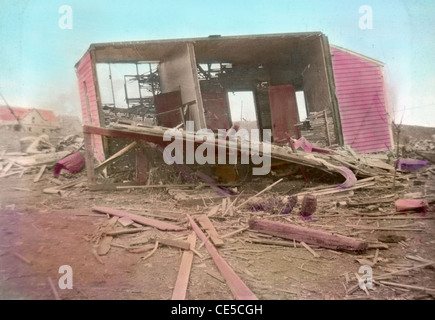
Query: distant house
[30,120]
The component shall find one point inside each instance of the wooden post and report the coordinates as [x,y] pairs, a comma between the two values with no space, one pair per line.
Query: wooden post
[328,135]
[89,157]
[141,165]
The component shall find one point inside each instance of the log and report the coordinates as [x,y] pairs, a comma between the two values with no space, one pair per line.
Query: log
[307,235]
[239,289]
[139,219]
[182,281]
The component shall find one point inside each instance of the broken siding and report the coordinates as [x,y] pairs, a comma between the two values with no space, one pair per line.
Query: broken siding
[361,98]
[88,100]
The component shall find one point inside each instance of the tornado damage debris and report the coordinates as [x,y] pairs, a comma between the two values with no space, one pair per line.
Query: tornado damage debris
[166,194]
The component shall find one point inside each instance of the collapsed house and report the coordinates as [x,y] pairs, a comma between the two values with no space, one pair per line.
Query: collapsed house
[165,83]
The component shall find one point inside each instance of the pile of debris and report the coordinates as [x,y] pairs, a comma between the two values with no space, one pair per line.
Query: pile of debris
[420,149]
[38,154]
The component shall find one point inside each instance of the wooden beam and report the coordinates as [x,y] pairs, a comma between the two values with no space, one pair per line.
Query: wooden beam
[139,219]
[205,222]
[112,158]
[239,289]
[307,235]
[182,281]
[89,157]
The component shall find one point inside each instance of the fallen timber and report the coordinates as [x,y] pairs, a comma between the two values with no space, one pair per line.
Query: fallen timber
[154,135]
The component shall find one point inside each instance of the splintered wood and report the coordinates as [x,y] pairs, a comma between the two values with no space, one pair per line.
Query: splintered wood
[237,286]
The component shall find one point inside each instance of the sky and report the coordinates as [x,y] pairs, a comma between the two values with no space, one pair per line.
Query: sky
[38,56]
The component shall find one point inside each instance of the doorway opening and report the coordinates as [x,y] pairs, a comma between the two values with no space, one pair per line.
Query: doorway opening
[243,110]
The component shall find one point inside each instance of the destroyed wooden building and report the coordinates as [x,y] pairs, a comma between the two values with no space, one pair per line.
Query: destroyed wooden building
[169,82]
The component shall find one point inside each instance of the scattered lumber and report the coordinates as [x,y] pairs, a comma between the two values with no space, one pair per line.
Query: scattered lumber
[237,286]
[174,243]
[139,219]
[205,222]
[179,292]
[128,231]
[39,159]
[307,235]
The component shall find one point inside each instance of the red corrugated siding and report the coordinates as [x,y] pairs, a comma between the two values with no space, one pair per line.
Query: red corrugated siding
[85,75]
[360,92]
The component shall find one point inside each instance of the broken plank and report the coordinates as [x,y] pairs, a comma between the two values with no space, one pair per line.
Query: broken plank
[125,222]
[205,222]
[239,289]
[40,173]
[307,235]
[128,231]
[140,219]
[104,246]
[111,159]
[180,288]
[142,249]
[174,243]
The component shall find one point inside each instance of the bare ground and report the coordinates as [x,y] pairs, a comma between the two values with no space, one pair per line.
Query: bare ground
[41,232]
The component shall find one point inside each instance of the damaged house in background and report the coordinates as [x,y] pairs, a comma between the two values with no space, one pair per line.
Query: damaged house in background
[295,84]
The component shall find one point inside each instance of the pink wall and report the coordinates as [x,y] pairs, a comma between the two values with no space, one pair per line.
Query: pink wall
[360,91]
[88,101]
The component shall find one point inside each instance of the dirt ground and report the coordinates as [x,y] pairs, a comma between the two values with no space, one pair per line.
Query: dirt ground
[40,232]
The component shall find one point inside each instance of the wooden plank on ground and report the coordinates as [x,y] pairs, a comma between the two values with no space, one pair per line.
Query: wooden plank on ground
[104,246]
[40,173]
[308,235]
[205,222]
[140,219]
[174,243]
[239,289]
[182,281]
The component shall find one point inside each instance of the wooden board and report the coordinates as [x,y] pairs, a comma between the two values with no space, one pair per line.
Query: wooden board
[205,222]
[239,289]
[182,281]
[174,243]
[139,219]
